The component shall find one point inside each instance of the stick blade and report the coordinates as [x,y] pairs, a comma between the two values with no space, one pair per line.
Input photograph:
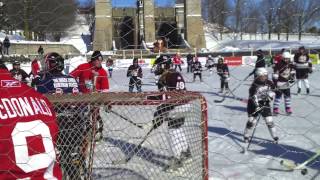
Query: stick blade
[288,164]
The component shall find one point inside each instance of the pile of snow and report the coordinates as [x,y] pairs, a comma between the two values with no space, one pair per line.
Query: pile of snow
[73,35]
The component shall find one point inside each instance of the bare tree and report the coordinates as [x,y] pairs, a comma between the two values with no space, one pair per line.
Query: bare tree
[305,12]
[252,17]
[41,16]
[218,12]
[271,11]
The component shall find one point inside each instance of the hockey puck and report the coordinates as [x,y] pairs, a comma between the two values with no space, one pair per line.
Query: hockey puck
[304,171]
[281,162]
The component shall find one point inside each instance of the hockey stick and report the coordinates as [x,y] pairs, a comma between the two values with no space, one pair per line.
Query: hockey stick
[135,149]
[126,119]
[293,166]
[231,91]
[254,130]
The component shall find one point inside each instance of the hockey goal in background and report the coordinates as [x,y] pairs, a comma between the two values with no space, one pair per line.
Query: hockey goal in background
[130,147]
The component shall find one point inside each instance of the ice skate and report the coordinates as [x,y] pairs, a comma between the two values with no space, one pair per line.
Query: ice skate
[276,111]
[289,111]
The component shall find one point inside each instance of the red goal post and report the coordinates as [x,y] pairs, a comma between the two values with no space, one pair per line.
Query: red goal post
[111,135]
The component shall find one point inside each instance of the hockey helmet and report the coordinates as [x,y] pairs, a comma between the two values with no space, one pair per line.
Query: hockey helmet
[261,72]
[220,59]
[135,60]
[286,55]
[96,55]
[16,63]
[54,62]
[259,52]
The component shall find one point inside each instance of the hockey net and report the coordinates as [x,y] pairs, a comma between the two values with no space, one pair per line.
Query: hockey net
[127,148]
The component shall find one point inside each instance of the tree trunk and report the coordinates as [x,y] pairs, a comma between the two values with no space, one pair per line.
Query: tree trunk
[300,27]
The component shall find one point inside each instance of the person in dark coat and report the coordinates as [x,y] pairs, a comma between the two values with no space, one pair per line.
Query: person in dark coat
[40,50]
[6,45]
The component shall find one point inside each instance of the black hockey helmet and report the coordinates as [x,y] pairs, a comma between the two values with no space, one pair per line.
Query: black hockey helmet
[220,59]
[15,63]
[54,62]
[2,65]
[96,55]
[259,52]
[135,60]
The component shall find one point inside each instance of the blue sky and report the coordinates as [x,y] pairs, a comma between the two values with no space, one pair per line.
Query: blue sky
[132,3]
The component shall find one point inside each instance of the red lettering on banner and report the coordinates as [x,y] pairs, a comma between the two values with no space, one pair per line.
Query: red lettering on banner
[233,60]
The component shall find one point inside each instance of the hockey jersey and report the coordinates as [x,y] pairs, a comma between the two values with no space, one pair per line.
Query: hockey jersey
[85,74]
[302,61]
[222,70]
[197,67]
[19,74]
[56,84]
[134,71]
[28,133]
[172,80]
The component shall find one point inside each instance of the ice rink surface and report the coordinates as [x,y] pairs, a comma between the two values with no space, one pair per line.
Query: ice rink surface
[299,133]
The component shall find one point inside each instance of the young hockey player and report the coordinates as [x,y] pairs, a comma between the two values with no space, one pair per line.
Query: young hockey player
[29,132]
[260,96]
[92,77]
[197,69]
[177,61]
[135,74]
[303,68]
[223,72]
[283,76]
[18,73]
[171,80]
[210,63]
[110,65]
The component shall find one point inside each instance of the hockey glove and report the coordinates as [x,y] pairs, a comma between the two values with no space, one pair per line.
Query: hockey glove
[271,95]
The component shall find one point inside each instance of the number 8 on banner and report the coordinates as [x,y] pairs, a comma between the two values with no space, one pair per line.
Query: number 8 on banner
[29,163]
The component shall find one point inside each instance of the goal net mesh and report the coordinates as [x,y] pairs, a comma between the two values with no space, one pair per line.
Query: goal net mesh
[111,136]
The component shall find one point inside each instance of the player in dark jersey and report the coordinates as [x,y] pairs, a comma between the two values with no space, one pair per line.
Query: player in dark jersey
[18,73]
[29,132]
[197,69]
[260,96]
[303,68]
[135,74]
[223,72]
[172,80]
[72,119]
[283,77]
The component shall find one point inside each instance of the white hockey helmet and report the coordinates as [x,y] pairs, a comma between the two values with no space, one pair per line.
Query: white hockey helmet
[286,55]
[261,72]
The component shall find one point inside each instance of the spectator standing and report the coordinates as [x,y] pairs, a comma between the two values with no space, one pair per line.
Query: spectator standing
[6,45]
